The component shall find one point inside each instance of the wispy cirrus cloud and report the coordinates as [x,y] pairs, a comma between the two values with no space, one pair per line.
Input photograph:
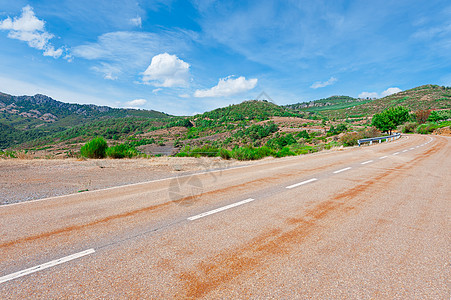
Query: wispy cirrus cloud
[129,51]
[30,29]
[320,84]
[109,71]
[136,21]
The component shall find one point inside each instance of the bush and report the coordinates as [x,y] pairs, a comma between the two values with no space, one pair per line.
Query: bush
[96,148]
[350,139]
[281,141]
[439,115]
[427,128]
[303,134]
[251,153]
[121,151]
[409,127]
[422,115]
[285,151]
[225,154]
[206,150]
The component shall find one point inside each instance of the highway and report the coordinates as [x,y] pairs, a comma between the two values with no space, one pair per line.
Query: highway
[360,223]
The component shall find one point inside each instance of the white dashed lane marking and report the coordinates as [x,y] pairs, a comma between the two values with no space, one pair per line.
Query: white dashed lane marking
[301,183]
[342,170]
[45,266]
[220,209]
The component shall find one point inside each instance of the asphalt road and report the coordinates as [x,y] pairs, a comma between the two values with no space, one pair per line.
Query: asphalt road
[363,223]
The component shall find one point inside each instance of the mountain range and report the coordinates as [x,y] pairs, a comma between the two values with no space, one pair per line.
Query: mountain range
[31,118]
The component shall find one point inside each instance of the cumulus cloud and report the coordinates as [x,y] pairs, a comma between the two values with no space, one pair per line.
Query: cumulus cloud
[320,84]
[390,91]
[364,95]
[136,103]
[387,92]
[228,86]
[167,70]
[30,29]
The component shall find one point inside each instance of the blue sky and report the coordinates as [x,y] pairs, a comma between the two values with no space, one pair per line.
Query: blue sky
[186,57]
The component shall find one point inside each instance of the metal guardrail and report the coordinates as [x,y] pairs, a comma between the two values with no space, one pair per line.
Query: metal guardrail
[380,138]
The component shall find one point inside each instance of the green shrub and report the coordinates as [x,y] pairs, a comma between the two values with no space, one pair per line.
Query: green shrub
[251,153]
[409,127]
[281,141]
[205,150]
[182,154]
[427,128]
[96,148]
[225,154]
[350,139]
[303,134]
[439,115]
[7,154]
[121,151]
[285,151]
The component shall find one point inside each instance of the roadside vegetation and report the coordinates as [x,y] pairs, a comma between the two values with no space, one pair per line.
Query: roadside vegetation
[246,131]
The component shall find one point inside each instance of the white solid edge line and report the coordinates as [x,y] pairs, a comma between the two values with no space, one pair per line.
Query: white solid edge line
[123,186]
[383,157]
[45,266]
[219,209]
[366,162]
[301,183]
[342,170]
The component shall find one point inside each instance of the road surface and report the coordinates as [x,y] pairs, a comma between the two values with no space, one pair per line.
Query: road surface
[365,223]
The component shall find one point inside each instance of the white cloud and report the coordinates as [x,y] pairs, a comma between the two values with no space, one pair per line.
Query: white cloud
[184,96]
[365,95]
[390,91]
[129,51]
[136,103]
[30,29]
[320,84]
[50,51]
[167,70]
[387,92]
[156,90]
[136,22]
[228,86]
[109,71]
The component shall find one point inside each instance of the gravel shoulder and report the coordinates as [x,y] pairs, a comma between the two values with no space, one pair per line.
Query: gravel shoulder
[25,180]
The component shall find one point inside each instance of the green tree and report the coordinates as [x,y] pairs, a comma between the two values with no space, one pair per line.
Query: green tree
[390,118]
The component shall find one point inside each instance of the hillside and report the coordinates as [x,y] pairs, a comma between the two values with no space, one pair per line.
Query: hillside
[25,118]
[247,110]
[420,98]
[330,103]
[255,123]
